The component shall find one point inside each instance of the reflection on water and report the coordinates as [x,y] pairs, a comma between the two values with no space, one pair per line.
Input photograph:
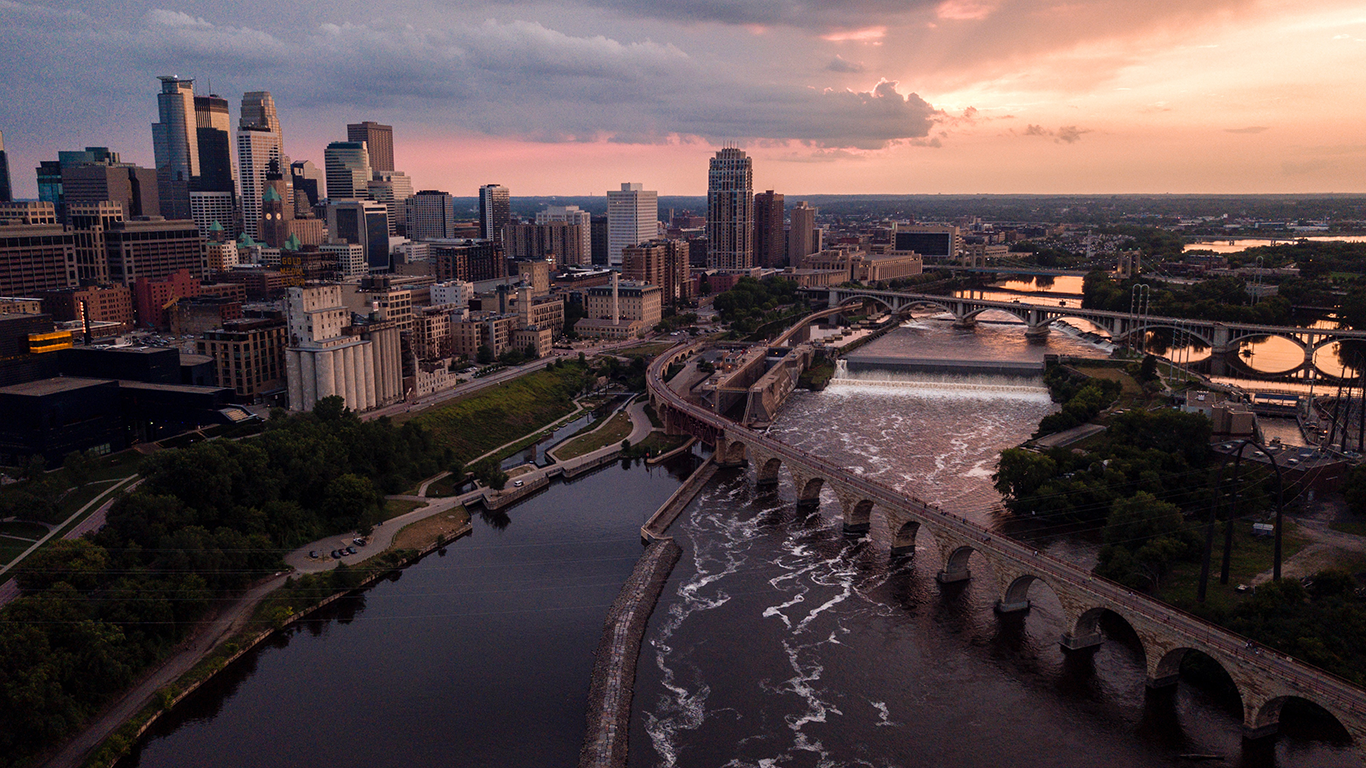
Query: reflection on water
[1239,245]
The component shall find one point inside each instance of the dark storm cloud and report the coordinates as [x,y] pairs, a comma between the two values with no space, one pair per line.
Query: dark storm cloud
[518,78]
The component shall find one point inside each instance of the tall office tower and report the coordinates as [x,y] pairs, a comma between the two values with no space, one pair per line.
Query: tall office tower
[153,250]
[570,214]
[175,145]
[632,217]
[134,188]
[348,170]
[802,239]
[213,194]
[430,215]
[495,210]
[259,141]
[6,188]
[308,178]
[770,244]
[364,223]
[730,210]
[379,141]
[393,188]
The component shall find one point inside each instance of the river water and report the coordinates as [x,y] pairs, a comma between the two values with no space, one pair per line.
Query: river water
[478,657]
[776,643]
[779,643]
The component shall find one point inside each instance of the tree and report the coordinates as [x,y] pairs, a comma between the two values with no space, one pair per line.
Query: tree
[354,500]
[703,286]
[75,561]
[79,465]
[530,352]
[330,408]
[1148,370]
[1020,473]
[485,355]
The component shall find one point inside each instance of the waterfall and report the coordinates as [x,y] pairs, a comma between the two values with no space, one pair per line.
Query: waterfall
[941,380]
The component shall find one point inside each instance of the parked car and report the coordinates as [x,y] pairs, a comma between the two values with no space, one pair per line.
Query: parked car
[336,554]
[359,541]
[350,550]
[517,483]
[313,554]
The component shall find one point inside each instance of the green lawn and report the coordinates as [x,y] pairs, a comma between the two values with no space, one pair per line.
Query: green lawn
[395,507]
[1251,556]
[614,431]
[507,412]
[1354,527]
[32,531]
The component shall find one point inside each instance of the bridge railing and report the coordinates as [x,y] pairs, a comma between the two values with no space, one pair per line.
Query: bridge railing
[1301,675]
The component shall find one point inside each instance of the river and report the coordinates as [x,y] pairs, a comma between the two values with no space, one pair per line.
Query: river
[779,643]
[478,657]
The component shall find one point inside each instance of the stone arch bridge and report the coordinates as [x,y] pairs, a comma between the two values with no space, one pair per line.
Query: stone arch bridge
[1220,337]
[1265,680]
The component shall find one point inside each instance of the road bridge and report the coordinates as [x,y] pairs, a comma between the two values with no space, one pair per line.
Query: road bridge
[1222,338]
[1265,680]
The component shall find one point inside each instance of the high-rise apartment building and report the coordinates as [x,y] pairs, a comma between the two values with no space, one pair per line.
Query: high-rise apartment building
[495,211]
[770,241]
[571,214]
[175,145]
[348,170]
[379,142]
[632,217]
[259,141]
[658,262]
[730,210]
[802,239]
[430,214]
[89,222]
[598,235]
[249,355]
[6,186]
[557,239]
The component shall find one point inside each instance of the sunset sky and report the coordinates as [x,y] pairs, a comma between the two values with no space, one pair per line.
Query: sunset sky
[840,96]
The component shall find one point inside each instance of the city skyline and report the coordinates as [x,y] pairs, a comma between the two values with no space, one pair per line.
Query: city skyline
[958,96]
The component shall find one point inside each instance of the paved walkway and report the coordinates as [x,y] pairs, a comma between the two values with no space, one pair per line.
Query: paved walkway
[379,540]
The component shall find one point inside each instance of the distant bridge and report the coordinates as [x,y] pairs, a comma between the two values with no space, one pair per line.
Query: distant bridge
[1003,269]
[1220,337]
[1265,680]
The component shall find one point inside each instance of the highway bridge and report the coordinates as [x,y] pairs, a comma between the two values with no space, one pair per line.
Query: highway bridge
[1265,679]
[1222,338]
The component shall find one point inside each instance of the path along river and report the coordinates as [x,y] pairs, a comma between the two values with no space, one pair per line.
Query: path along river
[777,643]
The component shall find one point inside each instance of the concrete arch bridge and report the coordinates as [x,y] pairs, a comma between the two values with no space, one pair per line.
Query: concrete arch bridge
[1222,338]
[1265,680]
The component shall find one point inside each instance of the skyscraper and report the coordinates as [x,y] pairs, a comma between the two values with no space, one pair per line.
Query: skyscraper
[213,194]
[364,223]
[259,140]
[175,145]
[802,239]
[379,142]
[348,170]
[770,244]
[6,189]
[632,217]
[495,210]
[393,188]
[730,210]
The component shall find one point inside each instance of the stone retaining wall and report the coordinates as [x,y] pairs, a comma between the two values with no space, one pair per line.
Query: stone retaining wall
[614,672]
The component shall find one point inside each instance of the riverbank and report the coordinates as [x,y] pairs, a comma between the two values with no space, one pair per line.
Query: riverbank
[239,628]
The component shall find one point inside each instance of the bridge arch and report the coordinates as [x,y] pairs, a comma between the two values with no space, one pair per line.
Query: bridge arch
[767,473]
[908,307]
[903,536]
[1146,326]
[863,298]
[1165,670]
[808,490]
[730,453]
[1015,597]
[1265,719]
[1023,317]
[1243,334]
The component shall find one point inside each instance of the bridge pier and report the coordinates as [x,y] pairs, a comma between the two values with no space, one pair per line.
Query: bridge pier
[1079,641]
[1040,331]
[1012,607]
[965,323]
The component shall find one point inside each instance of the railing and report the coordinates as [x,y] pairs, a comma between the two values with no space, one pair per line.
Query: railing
[1298,674]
